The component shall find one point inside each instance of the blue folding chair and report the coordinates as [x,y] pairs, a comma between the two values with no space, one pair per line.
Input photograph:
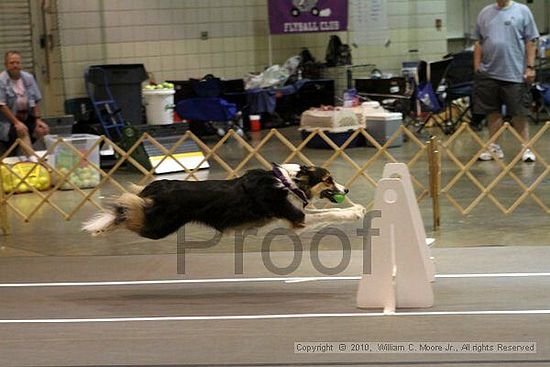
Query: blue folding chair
[541,93]
[460,86]
[430,94]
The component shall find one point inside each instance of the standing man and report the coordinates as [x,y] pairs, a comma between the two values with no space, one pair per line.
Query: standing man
[19,110]
[504,61]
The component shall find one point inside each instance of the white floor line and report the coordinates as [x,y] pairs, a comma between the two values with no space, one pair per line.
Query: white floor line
[249,280]
[280,316]
[142,282]
[493,275]
[313,279]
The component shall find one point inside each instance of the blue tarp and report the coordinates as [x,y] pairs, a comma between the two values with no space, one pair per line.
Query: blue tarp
[206,109]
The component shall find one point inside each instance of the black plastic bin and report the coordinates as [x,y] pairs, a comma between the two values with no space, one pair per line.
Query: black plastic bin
[81,108]
[124,81]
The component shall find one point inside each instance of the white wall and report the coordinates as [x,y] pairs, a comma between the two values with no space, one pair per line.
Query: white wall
[411,27]
[455,18]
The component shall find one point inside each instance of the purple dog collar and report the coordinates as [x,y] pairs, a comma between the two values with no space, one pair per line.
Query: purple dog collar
[290,185]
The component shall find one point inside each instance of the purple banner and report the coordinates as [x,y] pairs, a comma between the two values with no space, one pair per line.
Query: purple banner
[302,16]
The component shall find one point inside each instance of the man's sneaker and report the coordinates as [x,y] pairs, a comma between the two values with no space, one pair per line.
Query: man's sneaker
[528,156]
[495,149]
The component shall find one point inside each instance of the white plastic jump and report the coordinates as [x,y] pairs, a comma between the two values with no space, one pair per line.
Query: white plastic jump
[400,170]
[401,266]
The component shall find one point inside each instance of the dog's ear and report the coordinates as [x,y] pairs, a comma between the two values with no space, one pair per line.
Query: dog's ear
[303,173]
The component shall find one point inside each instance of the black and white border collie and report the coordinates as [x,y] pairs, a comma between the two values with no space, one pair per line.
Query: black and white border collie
[252,200]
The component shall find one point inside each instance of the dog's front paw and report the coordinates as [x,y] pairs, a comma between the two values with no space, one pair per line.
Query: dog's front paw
[359,212]
[360,209]
[353,213]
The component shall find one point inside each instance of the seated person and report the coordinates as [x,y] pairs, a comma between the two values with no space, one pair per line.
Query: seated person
[19,110]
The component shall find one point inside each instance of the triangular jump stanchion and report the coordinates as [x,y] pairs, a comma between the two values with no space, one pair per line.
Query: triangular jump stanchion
[401,269]
[401,171]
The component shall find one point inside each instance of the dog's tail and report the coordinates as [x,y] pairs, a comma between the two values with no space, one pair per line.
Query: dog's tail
[127,209]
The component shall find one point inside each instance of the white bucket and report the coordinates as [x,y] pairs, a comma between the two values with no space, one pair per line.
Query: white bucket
[159,106]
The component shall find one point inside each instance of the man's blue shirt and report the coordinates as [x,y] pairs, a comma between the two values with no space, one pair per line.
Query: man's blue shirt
[502,33]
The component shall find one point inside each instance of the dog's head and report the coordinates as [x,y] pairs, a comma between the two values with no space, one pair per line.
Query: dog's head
[315,182]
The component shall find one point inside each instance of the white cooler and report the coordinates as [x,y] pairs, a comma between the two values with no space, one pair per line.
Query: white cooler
[381,126]
[337,124]
[372,108]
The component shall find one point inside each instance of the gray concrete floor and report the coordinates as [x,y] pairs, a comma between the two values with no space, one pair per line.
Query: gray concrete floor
[50,249]
[257,323]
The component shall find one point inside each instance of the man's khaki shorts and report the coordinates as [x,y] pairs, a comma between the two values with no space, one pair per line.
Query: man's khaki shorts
[490,94]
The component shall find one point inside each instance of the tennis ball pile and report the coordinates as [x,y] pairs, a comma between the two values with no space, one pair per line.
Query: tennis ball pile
[164,85]
[40,183]
[37,178]
[82,177]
